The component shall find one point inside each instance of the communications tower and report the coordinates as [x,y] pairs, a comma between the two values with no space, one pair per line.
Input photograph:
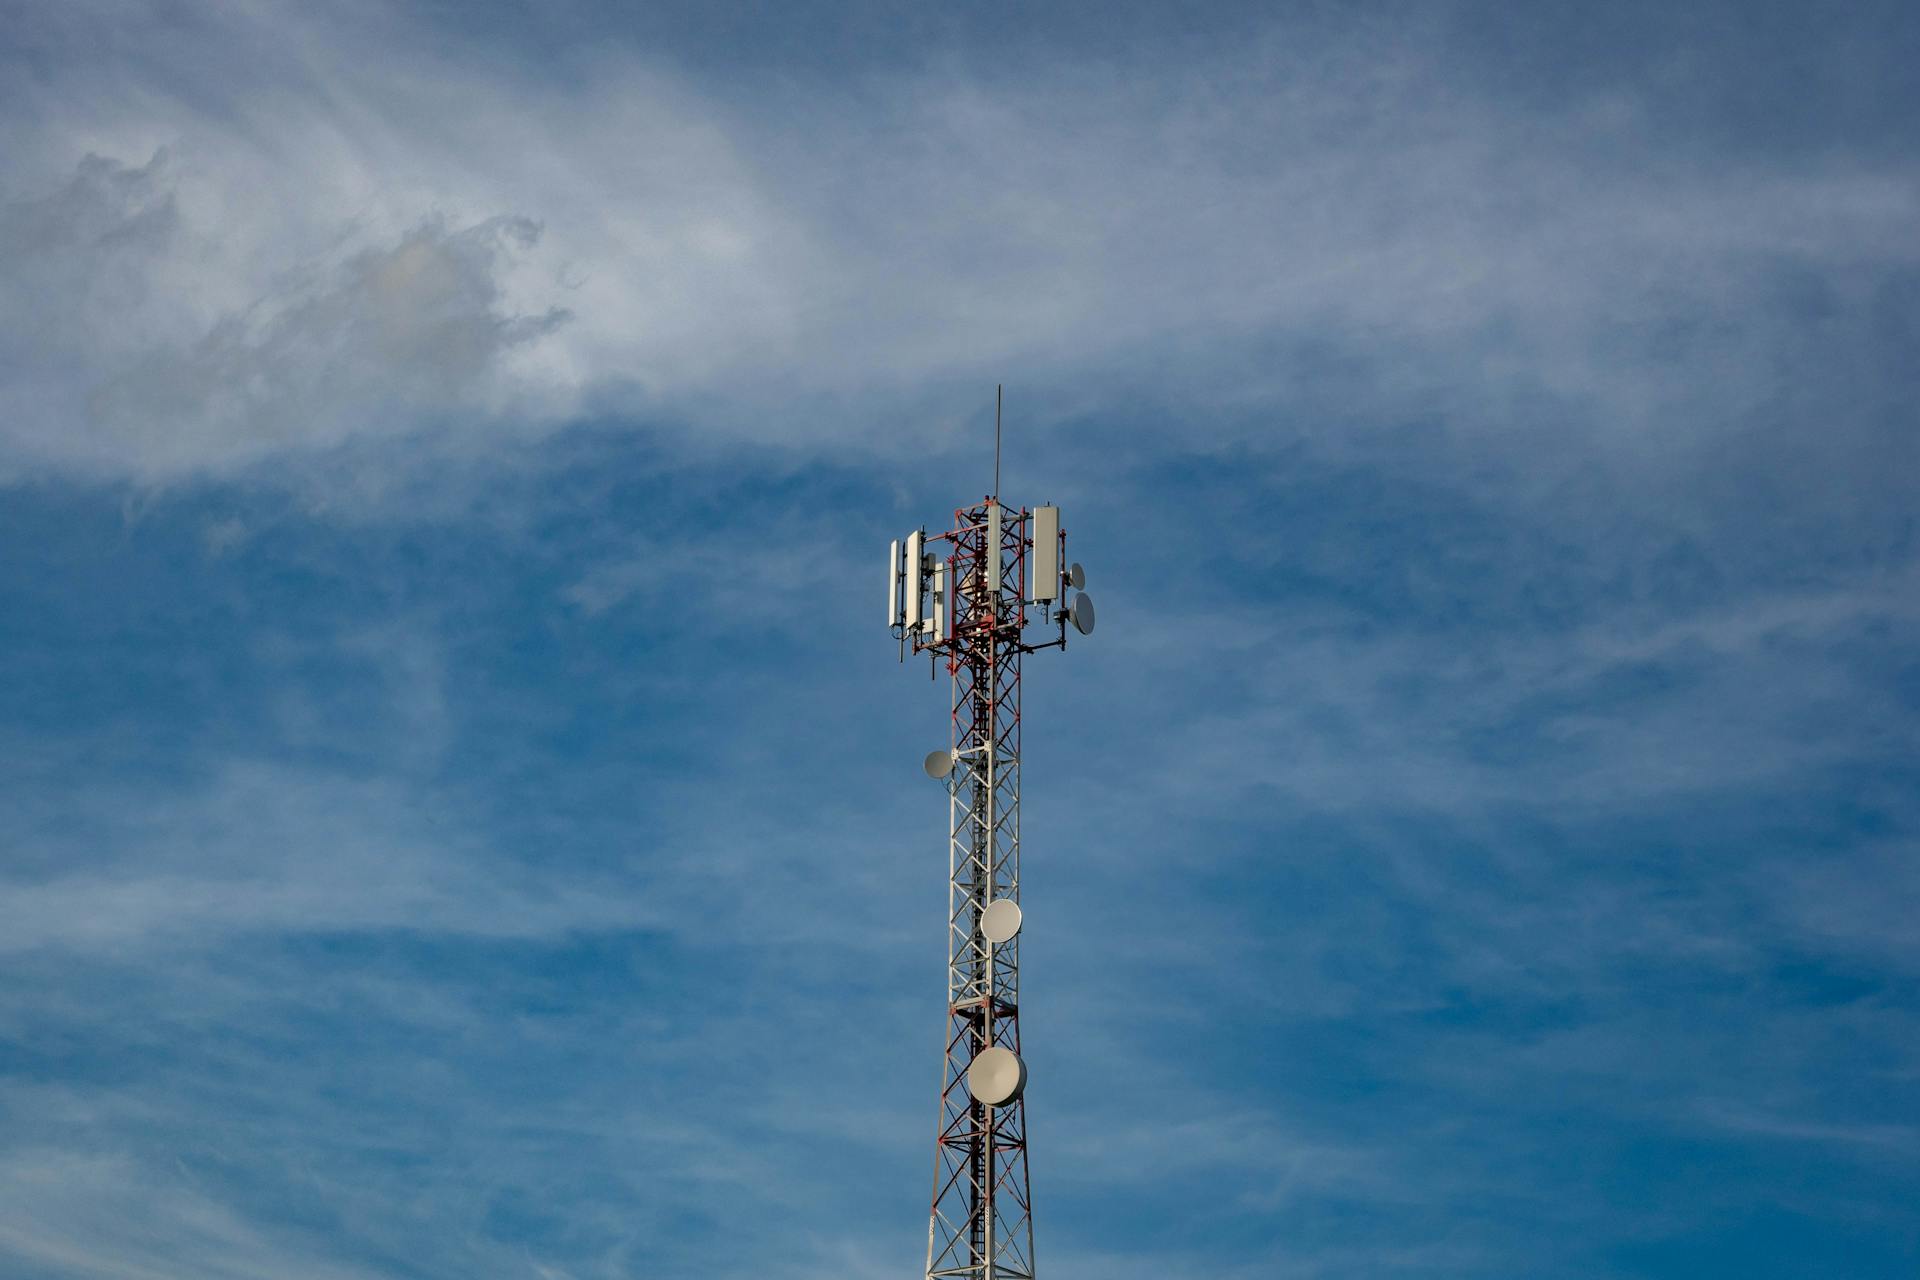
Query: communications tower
[980,597]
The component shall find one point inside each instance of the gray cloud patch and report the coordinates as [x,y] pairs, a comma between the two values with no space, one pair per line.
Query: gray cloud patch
[81,252]
[108,368]
[392,334]
[78,279]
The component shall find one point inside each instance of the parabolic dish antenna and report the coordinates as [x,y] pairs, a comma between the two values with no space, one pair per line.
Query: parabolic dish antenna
[1081,613]
[939,763]
[1000,921]
[1076,576]
[997,1076]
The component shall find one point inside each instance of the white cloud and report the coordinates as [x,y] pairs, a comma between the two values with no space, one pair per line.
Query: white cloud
[342,243]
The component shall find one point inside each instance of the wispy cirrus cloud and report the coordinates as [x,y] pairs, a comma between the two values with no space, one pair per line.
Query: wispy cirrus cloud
[1242,226]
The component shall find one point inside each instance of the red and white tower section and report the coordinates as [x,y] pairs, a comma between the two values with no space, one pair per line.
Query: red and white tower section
[980,597]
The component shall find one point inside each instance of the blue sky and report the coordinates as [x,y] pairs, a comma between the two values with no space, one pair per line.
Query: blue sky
[461,816]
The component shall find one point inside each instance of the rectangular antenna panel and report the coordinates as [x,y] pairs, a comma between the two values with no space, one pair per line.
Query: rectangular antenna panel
[939,601]
[1046,553]
[912,615]
[893,584]
[992,565]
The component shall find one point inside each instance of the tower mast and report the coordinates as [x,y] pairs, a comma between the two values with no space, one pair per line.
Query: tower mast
[972,607]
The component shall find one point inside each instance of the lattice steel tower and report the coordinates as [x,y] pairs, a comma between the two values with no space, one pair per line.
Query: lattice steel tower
[1001,571]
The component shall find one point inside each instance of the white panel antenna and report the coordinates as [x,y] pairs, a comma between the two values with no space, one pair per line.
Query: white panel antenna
[939,601]
[894,616]
[1046,553]
[915,541]
[992,566]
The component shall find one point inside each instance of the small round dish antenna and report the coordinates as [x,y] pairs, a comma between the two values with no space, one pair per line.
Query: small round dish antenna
[1076,576]
[1080,612]
[996,1076]
[939,764]
[1000,921]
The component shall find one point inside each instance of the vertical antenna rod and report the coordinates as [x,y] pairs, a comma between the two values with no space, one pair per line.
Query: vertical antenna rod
[997,389]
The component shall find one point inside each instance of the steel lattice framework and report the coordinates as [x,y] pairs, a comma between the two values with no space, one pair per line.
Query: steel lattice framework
[980,1225]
